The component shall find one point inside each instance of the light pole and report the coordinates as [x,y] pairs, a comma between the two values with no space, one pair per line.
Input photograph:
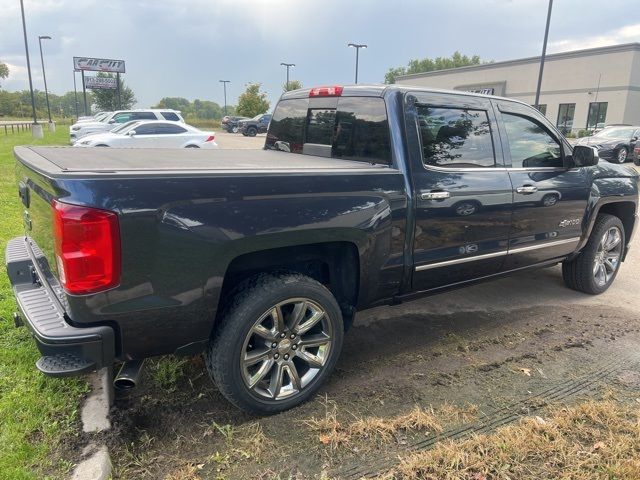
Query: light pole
[288,65]
[544,52]
[44,76]
[357,46]
[36,129]
[224,83]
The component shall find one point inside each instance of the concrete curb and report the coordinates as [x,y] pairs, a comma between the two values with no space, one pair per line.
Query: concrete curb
[95,419]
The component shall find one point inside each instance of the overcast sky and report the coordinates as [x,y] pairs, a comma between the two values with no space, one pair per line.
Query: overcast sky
[181,48]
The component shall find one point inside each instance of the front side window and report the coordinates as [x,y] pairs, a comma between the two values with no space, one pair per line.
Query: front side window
[148,129]
[143,116]
[356,128]
[455,137]
[122,118]
[530,145]
[597,115]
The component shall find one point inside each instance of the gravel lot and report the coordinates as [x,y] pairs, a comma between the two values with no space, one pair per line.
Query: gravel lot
[496,351]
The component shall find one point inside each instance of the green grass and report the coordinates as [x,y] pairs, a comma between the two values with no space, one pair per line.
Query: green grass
[38,415]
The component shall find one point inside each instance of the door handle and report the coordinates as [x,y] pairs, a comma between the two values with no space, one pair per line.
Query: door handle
[527,189]
[435,195]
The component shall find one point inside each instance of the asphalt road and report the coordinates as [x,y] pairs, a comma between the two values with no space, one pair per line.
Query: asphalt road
[230,141]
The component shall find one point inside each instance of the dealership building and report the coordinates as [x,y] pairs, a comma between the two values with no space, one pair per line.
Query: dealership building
[580,89]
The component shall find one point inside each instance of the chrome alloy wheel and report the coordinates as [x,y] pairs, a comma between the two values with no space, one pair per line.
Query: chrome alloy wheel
[622,155]
[286,348]
[607,258]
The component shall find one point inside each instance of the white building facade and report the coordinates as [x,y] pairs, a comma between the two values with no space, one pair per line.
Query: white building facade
[580,89]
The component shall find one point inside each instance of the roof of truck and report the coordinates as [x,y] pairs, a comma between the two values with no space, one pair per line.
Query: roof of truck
[72,161]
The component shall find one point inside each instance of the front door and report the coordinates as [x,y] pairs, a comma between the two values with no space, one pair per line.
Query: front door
[549,200]
[463,192]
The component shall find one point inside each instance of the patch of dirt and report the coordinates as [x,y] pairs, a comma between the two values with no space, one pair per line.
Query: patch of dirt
[500,364]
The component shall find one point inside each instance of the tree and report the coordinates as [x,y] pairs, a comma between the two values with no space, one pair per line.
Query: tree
[252,102]
[107,99]
[4,71]
[293,85]
[429,65]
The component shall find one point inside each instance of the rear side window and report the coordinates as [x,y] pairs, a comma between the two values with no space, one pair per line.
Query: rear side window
[353,128]
[455,138]
[169,129]
[171,116]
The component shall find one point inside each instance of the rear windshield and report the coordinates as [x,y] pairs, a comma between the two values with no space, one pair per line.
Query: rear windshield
[352,128]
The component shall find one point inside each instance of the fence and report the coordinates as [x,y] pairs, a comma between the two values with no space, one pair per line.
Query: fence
[15,126]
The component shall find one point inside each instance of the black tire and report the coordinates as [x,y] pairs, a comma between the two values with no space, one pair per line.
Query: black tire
[578,274]
[250,301]
[104,146]
[252,131]
[192,146]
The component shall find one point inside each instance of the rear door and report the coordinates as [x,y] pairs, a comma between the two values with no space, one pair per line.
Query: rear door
[462,189]
[550,200]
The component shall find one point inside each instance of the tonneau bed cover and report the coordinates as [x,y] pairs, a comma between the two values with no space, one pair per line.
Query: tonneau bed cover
[71,161]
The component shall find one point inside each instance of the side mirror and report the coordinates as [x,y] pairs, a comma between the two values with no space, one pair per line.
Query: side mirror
[585,156]
[131,133]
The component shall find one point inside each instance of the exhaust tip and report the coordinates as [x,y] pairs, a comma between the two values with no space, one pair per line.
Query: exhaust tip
[124,383]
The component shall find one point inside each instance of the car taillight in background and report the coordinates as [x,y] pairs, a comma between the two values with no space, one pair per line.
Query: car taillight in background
[326,92]
[210,138]
[87,248]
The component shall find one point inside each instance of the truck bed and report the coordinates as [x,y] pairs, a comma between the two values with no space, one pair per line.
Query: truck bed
[70,161]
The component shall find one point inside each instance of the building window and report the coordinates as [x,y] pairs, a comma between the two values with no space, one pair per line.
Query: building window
[565,117]
[597,115]
[542,108]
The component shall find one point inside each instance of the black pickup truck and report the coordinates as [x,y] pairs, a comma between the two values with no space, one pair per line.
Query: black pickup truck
[363,196]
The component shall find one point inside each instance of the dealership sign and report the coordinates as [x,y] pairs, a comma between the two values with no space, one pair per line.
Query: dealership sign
[101,83]
[98,64]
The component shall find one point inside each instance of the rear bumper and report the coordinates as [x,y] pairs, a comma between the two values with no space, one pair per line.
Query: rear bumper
[66,350]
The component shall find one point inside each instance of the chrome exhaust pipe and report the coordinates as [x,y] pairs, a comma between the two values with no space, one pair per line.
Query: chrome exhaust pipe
[128,375]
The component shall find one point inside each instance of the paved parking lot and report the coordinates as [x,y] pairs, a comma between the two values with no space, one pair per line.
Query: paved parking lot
[230,141]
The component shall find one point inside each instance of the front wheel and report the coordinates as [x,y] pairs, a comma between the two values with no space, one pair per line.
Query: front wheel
[621,156]
[234,130]
[277,342]
[595,268]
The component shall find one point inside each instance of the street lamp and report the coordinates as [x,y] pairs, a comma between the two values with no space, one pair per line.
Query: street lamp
[44,75]
[224,83]
[36,129]
[75,93]
[357,46]
[288,65]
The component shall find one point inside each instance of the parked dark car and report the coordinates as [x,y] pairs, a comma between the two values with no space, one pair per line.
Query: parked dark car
[615,143]
[230,123]
[255,125]
[261,259]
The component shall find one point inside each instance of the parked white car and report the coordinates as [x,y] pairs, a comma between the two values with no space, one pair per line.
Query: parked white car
[151,134]
[81,129]
[98,117]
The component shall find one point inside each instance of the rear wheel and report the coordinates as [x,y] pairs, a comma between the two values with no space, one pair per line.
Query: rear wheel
[595,268]
[276,343]
[252,131]
[192,146]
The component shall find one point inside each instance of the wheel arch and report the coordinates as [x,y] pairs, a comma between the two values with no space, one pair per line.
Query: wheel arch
[334,264]
[625,210]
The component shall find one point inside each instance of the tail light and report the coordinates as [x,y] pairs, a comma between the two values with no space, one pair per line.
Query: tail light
[326,92]
[87,248]
[210,138]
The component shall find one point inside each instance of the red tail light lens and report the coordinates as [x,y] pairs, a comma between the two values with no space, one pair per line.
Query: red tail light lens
[326,92]
[87,248]
[210,138]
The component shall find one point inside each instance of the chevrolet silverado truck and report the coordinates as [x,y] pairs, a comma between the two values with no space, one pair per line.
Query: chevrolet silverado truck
[363,196]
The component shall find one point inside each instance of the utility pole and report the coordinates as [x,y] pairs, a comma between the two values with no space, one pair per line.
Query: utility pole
[52,128]
[357,46]
[288,65]
[36,129]
[544,52]
[224,83]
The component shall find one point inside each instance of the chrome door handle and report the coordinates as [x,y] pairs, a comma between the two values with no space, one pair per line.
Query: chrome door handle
[434,195]
[527,189]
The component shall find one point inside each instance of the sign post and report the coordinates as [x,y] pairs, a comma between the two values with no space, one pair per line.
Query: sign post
[99,65]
